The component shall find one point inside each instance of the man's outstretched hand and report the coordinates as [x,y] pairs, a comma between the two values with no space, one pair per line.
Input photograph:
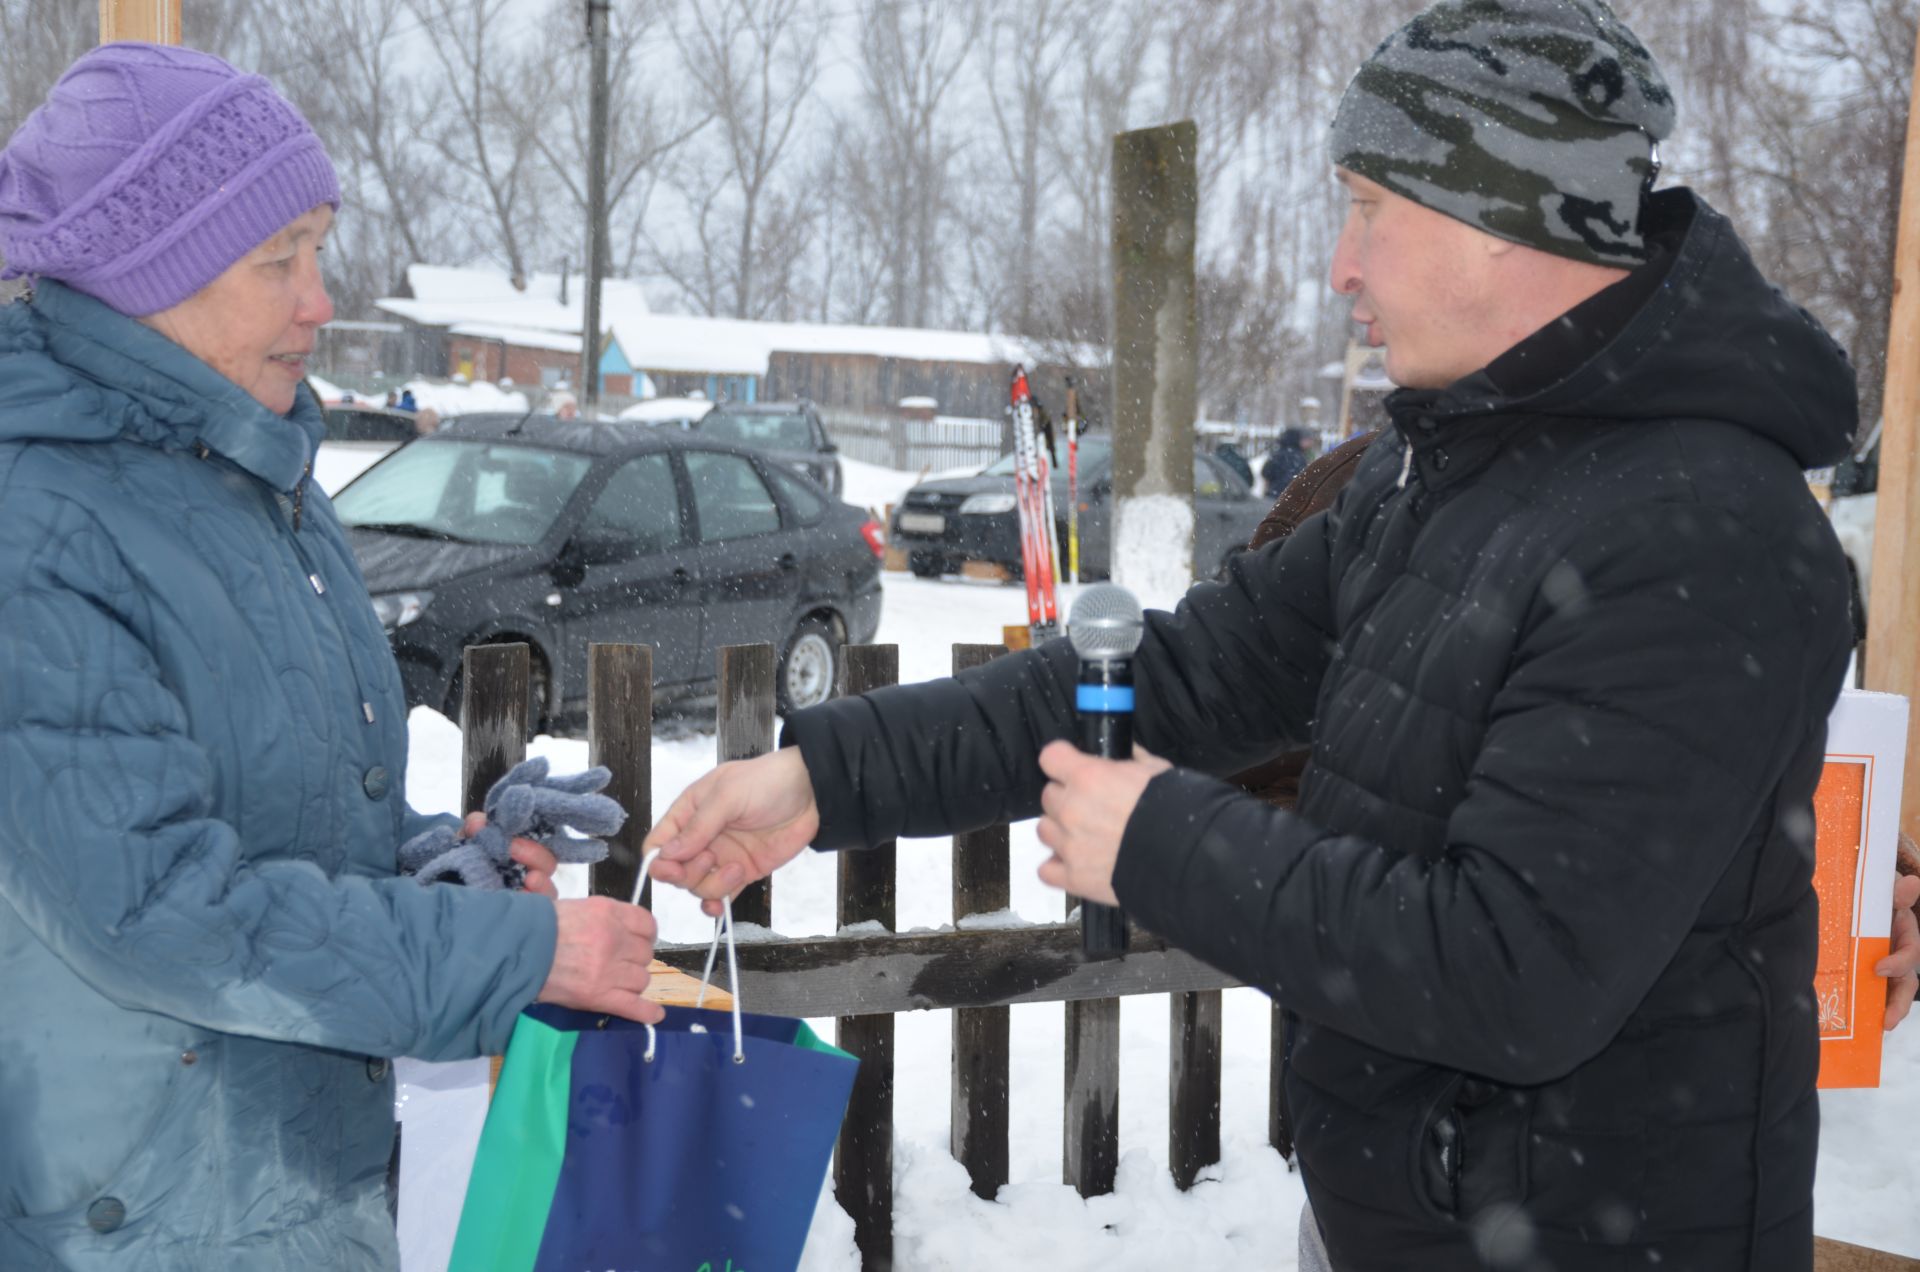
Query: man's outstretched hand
[736,825]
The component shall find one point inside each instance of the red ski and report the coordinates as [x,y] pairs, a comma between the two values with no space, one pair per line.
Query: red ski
[1033,494]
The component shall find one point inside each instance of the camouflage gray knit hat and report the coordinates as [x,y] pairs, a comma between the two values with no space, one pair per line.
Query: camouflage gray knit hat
[1534,120]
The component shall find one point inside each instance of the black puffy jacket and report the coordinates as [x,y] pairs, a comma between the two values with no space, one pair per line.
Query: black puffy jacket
[1544,917]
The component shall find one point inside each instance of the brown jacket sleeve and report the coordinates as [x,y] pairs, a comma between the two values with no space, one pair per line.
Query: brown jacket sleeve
[1314,490]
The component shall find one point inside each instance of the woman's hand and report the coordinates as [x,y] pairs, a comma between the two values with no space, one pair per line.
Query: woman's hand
[532,854]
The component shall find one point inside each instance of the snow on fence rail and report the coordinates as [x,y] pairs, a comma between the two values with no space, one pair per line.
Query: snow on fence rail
[863,979]
[912,445]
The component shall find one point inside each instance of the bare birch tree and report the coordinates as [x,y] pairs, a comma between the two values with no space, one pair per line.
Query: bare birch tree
[754,64]
[911,54]
[487,94]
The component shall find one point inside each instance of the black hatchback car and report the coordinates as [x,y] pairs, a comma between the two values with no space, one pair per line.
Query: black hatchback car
[502,528]
[789,431]
[947,521]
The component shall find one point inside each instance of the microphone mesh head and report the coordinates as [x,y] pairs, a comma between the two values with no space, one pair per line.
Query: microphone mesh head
[1105,624]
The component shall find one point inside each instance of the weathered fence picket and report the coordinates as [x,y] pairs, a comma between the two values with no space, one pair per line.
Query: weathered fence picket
[743,728]
[863,1162]
[862,979]
[620,693]
[493,717]
[1193,1117]
[982,884]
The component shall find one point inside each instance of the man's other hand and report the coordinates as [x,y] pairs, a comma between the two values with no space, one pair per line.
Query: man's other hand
[1084,812]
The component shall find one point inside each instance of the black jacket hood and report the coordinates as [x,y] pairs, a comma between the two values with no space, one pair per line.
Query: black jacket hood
[1715,341]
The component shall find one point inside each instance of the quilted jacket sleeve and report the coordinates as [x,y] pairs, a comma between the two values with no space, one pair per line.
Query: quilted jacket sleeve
[1649,716]
[1226,680]
[110,854]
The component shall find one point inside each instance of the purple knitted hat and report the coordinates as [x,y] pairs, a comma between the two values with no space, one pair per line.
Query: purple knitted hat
[149,170]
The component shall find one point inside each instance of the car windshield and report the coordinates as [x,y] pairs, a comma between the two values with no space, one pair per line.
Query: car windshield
[470,491]
[768,430]
[1094,452]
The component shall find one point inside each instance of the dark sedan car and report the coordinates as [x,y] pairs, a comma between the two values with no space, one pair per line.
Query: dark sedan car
[502,528]
[945,522]
[789,431]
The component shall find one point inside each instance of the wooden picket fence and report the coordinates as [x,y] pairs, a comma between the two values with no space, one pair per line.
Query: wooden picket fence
[862,981]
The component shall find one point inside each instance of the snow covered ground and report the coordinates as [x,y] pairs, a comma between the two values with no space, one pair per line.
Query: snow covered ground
[1242,1214]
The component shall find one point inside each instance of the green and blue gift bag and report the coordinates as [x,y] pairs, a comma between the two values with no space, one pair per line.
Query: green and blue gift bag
[699,1142]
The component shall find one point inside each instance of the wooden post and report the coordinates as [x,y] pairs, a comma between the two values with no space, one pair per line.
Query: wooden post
[1193,1111]
[153,21]
[620,736]
[1893,597]
[863,1160]
[1155,360]
[744,729]
[981,1035]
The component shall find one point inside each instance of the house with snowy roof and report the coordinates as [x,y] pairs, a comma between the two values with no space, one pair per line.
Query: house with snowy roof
[488,326]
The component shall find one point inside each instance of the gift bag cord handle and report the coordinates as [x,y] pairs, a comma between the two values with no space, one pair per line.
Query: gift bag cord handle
[722,924]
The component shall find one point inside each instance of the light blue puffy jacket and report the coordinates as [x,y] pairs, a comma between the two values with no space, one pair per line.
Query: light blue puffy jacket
[205,954]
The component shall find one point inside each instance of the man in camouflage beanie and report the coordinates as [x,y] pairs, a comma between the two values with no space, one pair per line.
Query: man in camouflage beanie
[1541,921]
[1534,120]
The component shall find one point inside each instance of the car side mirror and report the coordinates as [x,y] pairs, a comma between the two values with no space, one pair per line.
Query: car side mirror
[830,449]
[600,548]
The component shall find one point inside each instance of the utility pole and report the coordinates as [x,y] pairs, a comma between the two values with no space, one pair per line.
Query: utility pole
[151,21]
[597,11]
[1893,592]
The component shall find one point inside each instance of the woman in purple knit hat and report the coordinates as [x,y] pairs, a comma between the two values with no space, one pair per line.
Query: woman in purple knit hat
[207,952]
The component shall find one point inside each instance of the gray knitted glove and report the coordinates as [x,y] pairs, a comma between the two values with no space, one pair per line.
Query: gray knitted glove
[526,803]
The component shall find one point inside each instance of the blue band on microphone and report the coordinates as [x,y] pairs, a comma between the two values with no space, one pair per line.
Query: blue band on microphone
[1105,699]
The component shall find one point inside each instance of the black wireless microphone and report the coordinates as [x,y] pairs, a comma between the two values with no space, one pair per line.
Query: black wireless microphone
[1105,629]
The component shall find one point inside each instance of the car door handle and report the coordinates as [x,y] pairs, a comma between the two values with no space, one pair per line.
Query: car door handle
[680,577]
[788,561]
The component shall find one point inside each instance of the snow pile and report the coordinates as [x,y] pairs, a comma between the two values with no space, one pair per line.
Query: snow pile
[1153,548]
[677,411]
[449,398]
[872,487]
[327,391]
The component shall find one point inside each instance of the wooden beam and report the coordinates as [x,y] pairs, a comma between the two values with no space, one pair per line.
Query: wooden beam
[1838,1256]
[1893,598]
[860,975]
[154,21]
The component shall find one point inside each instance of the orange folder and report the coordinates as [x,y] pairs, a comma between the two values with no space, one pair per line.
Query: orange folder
[1856,827]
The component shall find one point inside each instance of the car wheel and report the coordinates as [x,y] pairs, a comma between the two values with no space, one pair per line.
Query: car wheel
[539,693]
[809,667]
[926,565]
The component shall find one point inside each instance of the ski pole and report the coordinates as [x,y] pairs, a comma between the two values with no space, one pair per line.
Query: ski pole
[1073,483]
